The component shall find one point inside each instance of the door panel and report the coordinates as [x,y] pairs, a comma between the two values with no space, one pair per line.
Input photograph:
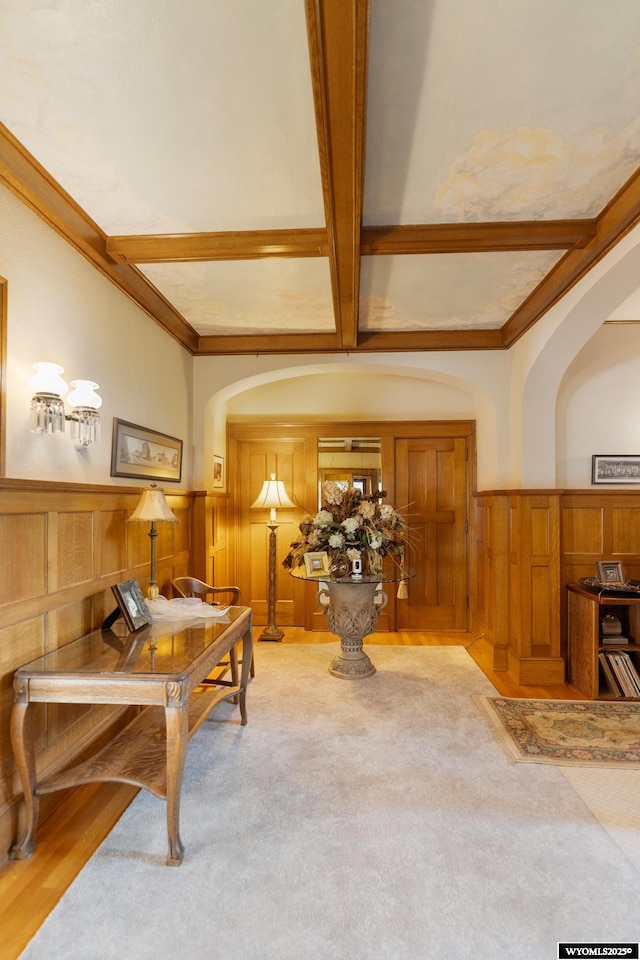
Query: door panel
[432,481]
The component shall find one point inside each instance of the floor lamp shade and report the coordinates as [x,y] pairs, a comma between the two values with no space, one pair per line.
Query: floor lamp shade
[152,508]
[272,497]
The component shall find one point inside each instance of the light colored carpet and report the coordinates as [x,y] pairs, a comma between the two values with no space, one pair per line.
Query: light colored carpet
[353,820]
[577,732]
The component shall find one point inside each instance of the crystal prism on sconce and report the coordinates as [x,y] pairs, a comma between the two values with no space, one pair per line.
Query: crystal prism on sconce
[47,406]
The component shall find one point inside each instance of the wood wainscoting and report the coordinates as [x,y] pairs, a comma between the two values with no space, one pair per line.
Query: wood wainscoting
[63,547]
[529,546]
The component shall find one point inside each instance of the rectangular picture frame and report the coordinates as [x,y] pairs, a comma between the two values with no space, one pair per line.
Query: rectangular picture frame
[143,453]
[218,472]
[615,468]
[132,604]
[610,572]
[316,564]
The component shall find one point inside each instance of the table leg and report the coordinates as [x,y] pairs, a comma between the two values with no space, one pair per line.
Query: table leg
[177,723]
[22,744]
[247,661]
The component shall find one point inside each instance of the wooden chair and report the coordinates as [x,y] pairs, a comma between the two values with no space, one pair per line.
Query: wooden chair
[192,587]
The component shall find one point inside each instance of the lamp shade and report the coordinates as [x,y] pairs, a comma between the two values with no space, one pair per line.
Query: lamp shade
[47,379]
[153,506]
[273,496]
[84,395]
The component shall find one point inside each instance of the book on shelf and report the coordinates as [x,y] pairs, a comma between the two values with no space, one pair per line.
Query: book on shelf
[624,672]
[614,640]
[607,673]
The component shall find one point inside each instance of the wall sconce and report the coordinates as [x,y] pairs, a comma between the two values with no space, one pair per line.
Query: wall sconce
[47,406]
[273,496]
[153,507]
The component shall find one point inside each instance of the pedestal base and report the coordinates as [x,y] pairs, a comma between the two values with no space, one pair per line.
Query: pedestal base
[271,632]
[351,666]
[352,610]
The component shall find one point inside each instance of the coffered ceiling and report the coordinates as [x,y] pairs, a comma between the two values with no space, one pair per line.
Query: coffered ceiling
[273,176]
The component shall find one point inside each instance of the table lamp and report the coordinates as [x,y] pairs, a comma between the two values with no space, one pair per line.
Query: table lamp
[152,508]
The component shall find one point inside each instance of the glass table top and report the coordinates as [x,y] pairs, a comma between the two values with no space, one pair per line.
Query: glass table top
[391,575]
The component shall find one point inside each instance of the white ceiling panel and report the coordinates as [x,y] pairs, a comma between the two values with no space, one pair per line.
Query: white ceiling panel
[248,296]
[159,116]
[502,110]
[447,291]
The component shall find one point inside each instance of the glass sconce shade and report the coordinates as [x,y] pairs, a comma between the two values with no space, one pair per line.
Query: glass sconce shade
[47,406]
[84,394]
[47,379]
[85,419]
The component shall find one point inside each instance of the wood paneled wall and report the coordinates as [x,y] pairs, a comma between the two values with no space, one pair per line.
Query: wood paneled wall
[62,547]
[529,546]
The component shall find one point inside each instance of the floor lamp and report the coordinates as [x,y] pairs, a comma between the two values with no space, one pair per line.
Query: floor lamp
[151,508]
[272,496]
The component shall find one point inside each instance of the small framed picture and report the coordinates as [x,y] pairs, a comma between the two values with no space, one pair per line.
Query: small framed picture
[132,605]
[218,472]
[615,468]
[316,564]
[610,572]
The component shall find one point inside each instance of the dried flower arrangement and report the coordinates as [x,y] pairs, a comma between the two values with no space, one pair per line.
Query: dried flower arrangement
[351,526]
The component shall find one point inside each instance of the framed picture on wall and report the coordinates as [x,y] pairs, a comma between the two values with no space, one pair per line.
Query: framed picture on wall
[615,468]
[143,453]
[218,471]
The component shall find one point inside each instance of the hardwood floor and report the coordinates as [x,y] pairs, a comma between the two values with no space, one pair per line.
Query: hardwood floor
[30,889]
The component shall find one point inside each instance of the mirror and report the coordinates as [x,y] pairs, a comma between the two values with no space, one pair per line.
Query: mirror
[352,461]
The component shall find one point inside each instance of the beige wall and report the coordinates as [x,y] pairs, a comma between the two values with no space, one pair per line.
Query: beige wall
[62,310]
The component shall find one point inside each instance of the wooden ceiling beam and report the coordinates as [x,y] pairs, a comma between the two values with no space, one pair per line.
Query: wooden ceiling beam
[268,343]
[338,33]
[388,342]
[416,340]
[477,237]
[232,245]
[30,182]
[620,215]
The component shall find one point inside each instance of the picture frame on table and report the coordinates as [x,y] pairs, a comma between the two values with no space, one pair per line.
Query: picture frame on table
[218,472]
[132,604]
[615,468]
[316,564]
[143,453]
[610,572]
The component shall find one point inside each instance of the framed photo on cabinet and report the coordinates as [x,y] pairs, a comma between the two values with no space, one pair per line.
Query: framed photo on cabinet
[610,572]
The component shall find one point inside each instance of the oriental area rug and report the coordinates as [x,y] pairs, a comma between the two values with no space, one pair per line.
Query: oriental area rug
[574,732]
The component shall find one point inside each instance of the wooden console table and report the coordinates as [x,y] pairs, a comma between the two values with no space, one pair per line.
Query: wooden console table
[164,669]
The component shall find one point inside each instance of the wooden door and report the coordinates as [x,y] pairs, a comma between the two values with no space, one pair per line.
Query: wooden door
[432,490]
[255,461]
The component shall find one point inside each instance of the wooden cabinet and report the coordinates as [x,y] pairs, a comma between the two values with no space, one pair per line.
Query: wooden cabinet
[592,641]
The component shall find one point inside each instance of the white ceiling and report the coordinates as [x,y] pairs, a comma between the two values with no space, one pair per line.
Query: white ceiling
[165,118]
